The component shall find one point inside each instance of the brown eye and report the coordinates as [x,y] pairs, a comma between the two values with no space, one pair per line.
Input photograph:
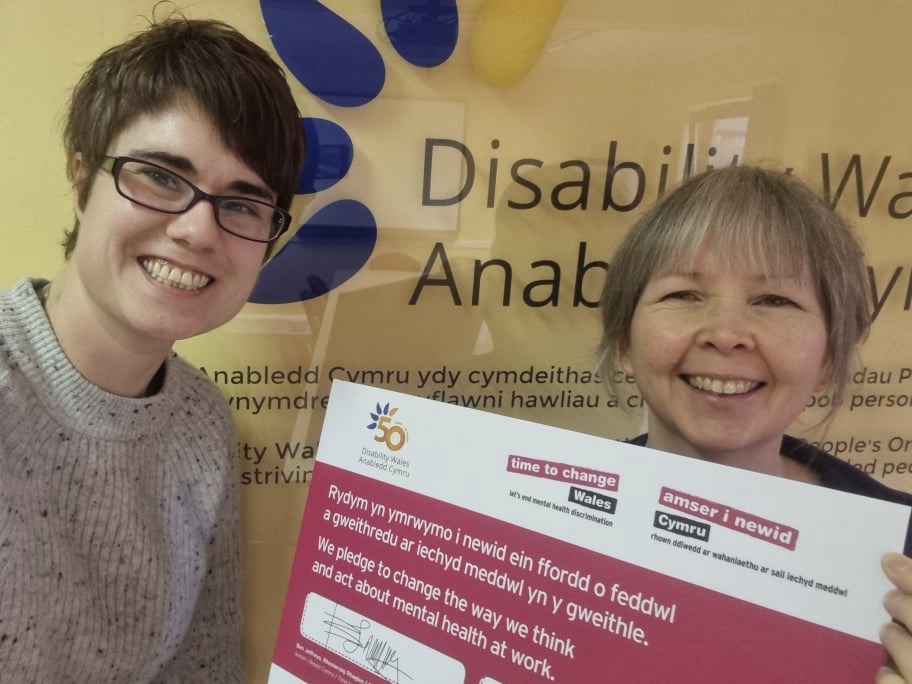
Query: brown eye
[775,300]
[680,295]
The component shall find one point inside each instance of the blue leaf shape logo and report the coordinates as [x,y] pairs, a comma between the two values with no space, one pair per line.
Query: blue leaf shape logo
[329,56]
[341,66]
[326,251]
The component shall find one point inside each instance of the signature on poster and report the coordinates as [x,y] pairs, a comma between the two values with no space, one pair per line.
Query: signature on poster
[346,635]
[358,640]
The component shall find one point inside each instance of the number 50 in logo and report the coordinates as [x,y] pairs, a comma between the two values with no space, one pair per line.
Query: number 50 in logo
[393,435]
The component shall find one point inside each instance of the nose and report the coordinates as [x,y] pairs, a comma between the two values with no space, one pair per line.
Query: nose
[726,327]
[196,227]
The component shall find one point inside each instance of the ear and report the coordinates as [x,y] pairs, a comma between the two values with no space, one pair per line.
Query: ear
[77,169]
[824,375]
[78,178]
[624,358]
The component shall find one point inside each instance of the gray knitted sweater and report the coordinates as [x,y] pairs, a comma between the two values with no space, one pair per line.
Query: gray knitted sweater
[118,520]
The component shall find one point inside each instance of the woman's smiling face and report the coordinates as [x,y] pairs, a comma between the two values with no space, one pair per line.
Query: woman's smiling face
[725,357]
[149,277]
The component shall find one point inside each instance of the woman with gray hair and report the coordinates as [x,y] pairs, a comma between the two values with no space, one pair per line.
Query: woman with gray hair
[732,301]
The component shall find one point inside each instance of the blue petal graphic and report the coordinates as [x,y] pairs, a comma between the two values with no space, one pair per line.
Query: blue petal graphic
[339,64]
[329,155]
[424,32]
[325,252]
[329,56]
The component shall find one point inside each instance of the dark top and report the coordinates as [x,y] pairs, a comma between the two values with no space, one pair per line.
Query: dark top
[835,473]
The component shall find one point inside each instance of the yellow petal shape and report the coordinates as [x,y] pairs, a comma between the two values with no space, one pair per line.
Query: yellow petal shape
[508,37]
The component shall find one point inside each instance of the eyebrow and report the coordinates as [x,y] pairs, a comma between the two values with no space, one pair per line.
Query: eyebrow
[697,275]
[184,165]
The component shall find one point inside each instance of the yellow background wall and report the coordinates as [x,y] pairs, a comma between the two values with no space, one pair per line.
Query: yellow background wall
[782,82]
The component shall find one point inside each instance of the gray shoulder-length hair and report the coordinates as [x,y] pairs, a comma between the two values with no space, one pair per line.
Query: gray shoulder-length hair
[758,217]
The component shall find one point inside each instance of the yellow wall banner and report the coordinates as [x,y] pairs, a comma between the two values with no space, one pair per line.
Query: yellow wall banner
[473,164]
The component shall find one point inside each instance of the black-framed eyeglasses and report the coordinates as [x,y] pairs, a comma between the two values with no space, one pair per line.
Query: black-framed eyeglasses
[156,187]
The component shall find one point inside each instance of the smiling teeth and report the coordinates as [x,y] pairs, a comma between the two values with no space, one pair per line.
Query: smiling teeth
[721,386]
[173,276]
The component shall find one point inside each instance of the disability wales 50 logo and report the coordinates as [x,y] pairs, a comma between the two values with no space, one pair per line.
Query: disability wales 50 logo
[391,437]
[387,431]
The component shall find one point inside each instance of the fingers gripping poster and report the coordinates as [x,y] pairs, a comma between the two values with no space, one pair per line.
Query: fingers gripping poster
[472,166]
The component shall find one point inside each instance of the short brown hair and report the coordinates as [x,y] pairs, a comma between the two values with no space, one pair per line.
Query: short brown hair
[755,216]
[208,63]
